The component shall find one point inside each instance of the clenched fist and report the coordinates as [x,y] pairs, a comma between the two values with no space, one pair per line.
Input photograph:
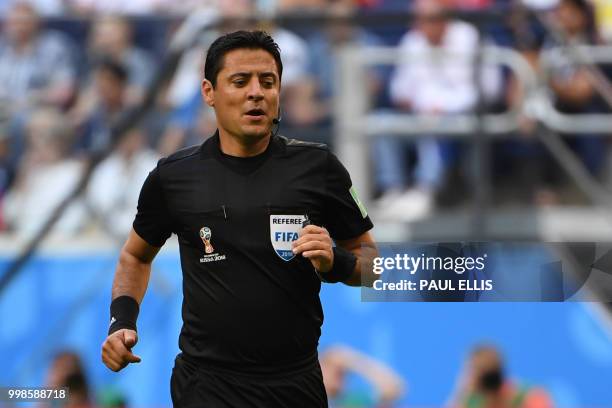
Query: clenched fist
[315,244]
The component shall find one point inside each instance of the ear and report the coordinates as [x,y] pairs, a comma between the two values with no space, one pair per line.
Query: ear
[208,93]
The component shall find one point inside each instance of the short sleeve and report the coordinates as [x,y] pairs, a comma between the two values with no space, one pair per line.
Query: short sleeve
[152,222]
[345,215]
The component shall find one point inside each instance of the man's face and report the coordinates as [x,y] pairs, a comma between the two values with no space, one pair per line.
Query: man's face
[486,371]
[246,95]
[21,24]
[571,18]
[111,35]
[433,28]
[430,20]
[110,89]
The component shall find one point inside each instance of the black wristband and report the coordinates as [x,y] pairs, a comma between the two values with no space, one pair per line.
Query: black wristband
[124,312]
[343,267]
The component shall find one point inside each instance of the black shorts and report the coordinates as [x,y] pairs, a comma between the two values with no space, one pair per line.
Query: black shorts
[194,386]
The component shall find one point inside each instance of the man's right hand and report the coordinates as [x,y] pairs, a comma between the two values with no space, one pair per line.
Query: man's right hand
[116,349]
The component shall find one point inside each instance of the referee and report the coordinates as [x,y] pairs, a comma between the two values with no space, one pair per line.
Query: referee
[255,214]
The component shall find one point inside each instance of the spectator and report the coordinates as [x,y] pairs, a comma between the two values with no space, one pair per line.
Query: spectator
[335,36]
[338,362]
[44,178]
[324,45]
[113,191]
[110,91]
[573,86]
[484,385]
[36,66]
[517,162]
[110,38]
[439,82]
[66,370]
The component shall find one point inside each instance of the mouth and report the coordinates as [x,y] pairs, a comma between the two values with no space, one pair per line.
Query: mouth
[255,114]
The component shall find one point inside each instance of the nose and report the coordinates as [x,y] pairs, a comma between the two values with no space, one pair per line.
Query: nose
[255,91]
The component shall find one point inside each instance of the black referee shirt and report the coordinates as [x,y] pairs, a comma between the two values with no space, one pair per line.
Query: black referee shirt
[249,304]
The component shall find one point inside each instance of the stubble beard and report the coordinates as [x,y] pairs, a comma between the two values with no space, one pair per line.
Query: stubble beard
[252,138]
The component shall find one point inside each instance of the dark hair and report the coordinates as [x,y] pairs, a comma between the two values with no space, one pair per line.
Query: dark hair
[113,67]
[239,39]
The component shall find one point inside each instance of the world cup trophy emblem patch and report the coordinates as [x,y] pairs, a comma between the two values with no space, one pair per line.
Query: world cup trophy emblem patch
[206,235]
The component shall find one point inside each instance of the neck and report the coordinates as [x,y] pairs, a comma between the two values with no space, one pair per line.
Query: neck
[238,147]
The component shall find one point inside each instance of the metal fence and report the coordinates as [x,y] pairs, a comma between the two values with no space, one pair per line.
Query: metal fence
[357,126]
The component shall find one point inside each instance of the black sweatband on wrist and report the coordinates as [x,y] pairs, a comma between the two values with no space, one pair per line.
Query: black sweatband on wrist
[343,267]
[124,312]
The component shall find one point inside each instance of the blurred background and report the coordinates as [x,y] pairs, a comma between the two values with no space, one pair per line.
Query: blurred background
[459,120]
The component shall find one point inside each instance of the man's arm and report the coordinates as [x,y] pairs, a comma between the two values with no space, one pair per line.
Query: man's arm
[365,250]
[338,361]
[134,268]
[316,244]
[131,279]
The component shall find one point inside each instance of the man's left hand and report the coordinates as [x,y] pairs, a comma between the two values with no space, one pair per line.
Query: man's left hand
[316,245]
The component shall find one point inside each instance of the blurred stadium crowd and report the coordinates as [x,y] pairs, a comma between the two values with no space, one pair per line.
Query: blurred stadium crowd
[70,69]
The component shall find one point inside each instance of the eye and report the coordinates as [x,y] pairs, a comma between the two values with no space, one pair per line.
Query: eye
[239,82]
[268,83]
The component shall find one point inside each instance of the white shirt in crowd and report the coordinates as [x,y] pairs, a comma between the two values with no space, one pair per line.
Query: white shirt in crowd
[26,208]
[441,80]
[114,187]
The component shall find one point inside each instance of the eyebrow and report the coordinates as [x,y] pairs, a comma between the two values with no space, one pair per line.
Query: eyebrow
[248,74]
